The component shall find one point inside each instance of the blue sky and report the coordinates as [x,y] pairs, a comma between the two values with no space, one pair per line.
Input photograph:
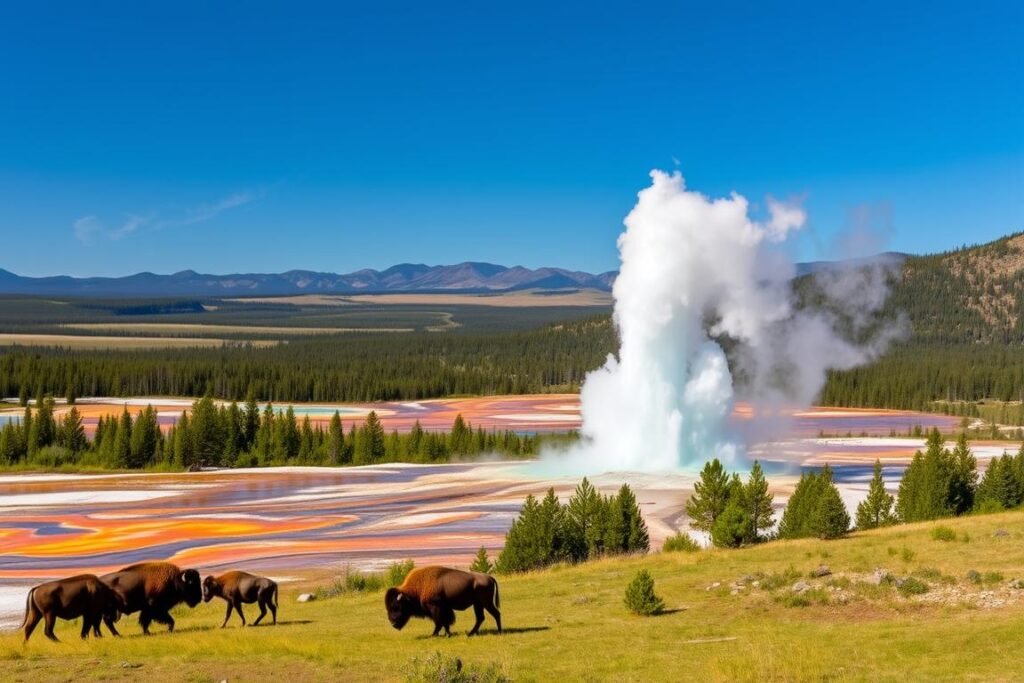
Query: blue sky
[264,137]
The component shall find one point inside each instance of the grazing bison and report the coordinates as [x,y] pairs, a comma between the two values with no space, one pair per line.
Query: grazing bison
[238,587]
[78,596]
[153,589]
[436,592]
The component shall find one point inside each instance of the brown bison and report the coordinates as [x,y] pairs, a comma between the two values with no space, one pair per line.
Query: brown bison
[436,592]
[153,588]
[78,596]
[238,587]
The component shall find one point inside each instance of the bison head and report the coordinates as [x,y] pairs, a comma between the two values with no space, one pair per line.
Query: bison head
[400,607]
[191,589]
[210,588]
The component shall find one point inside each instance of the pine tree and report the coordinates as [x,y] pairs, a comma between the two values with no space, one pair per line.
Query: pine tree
[625,529]
[731,528]
[925,489]
[336,440]
[758,503]
[963,477]
[710,496]
[481,563]
[640,596]
[72,433]
[122,441]
[585,519]
[830,518]
[207,436]
[876,510]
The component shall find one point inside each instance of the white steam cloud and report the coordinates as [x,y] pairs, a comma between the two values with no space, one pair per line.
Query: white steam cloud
[695,269]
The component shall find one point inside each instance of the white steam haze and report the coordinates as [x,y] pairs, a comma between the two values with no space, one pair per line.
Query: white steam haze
[695,269]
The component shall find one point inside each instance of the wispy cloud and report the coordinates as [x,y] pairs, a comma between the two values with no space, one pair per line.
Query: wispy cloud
[88,228]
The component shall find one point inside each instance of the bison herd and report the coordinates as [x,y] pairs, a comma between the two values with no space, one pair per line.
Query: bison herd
[154,588]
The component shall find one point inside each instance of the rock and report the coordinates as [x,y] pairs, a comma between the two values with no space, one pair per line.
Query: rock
[716,584]
[130,665]
[746,578]
[755,584]
[734,591]
[999,533]
[878,577]
[821,571]
[801,586]
[1017,584]
[306,597]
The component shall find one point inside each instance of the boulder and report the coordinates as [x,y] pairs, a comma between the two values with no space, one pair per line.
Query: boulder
[999,533]
[801,586]
[821,571]
[878,576]
[306,597]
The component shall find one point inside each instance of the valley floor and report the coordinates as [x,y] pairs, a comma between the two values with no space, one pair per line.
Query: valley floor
[732,615]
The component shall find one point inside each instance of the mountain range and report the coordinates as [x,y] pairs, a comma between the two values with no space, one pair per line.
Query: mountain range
[468,277]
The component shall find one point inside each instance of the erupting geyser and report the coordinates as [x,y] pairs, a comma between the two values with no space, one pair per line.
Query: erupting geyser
[694,270]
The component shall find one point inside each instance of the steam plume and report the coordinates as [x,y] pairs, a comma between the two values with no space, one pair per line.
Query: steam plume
[695,270]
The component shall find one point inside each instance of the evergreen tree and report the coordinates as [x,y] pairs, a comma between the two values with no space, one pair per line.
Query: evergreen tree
[925,490]
[999,486]
[640,596]
[122,441]
[144,437]
[585,522]
[206,435]
[370,443]
[731,528]
[72,433]
[625,529]
[876,510]
[481,563]
[830,518]
[758,504]
[963,477]
[710,496]
[336,440]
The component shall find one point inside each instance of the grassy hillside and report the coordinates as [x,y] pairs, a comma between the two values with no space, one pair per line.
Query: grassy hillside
[569,623]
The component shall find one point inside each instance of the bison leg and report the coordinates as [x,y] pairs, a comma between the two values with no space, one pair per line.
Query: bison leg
[145,619]
[263,612]
[51,621]
[110,626]
[238,608]
[227,615]
[478,610]
[31,621]
[86,627]
[164,617]
[496,614]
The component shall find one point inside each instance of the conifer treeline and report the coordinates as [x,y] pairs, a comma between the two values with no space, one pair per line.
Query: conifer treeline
[588,526]
[240,436]
[939,482]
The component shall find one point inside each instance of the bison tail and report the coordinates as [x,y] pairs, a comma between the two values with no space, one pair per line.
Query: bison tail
[497,598]
[29,607]
[275,595]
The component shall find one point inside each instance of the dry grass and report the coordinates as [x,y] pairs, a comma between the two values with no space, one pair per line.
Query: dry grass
[523,299]
[71,341]
[197,328]
[569,623]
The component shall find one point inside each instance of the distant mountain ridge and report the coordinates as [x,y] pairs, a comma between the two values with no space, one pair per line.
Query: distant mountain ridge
[406,277]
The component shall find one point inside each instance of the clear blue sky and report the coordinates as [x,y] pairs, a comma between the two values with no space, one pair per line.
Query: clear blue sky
[249,137]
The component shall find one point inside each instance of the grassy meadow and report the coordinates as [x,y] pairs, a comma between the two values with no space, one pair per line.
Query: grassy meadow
[569,623]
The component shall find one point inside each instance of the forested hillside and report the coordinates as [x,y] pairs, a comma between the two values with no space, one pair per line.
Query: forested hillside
[966,344]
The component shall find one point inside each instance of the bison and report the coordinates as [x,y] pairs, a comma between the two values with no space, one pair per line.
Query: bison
[237,587]
[436,592]
[153,589]
[78,596]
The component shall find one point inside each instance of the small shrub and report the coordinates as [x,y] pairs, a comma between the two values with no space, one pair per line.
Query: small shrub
[439,668]
[991,578]
[482,563]
[640,596]
[780,579]
[943,533]
[814,596]
[912,586]
[355,581]
[907,555]
[974,576]
[928,573]
[681,542]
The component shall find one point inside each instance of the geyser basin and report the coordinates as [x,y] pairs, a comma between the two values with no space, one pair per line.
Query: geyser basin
[694,270]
